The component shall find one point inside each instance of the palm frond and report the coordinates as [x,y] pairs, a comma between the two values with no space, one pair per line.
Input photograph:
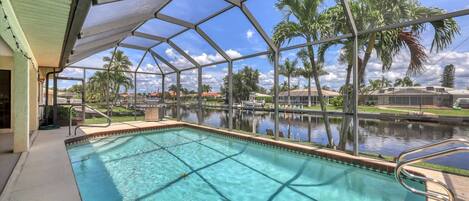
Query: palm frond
[445,30]
[417,52]
[285,31]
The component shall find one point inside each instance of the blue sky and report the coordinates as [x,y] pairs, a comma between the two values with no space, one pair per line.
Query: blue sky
[233,32]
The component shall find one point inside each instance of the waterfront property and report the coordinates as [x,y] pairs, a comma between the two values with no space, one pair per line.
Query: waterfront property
[436,96]
[300,96]
[186,101]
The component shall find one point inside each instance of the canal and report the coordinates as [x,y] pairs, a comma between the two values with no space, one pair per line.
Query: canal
[377,137]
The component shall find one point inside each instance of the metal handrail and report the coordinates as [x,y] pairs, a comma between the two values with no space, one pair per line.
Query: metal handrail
[91,108]
[402,163]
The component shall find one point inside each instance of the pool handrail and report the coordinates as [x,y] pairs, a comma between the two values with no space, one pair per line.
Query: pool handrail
[109,120]
[400,164]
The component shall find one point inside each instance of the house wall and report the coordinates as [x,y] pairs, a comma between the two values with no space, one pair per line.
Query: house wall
[24,86]
[300,100]
[445,100]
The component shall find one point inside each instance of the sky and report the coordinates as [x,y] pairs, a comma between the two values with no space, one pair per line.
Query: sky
[233,33]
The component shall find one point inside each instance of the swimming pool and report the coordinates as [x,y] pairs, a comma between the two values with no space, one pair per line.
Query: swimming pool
[189,164]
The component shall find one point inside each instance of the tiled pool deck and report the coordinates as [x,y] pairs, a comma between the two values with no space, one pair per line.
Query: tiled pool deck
[45,174]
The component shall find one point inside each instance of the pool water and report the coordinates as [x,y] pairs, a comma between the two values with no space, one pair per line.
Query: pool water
[188,164]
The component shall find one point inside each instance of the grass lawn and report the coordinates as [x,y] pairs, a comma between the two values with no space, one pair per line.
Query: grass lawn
[101,120]
[441,111]
[329,108]
[400,110]
[102,108]
[370,109]
[431,166]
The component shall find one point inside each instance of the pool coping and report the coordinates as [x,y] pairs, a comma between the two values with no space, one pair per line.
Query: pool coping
[328,154]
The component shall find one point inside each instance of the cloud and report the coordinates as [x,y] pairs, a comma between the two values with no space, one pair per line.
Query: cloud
[233,53]
[170,52]
[433,68]
[204,58]
[249,34]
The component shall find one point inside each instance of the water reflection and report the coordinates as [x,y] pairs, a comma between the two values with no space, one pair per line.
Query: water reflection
[387,138]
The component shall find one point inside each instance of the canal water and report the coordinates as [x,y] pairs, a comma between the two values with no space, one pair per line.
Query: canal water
[386,138]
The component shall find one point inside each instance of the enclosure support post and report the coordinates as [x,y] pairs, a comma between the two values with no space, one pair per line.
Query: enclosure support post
[135,96]
[276,80]
[178,95]
[83,99]
[355,96]
[353,29]
[55,108]
[135,85]
[109,112]
[162,88]
[199,96]
[230,95]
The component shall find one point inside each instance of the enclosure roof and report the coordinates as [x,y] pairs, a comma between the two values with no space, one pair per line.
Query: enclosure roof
[153,26]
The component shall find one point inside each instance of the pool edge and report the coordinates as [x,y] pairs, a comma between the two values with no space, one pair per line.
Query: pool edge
[335,155]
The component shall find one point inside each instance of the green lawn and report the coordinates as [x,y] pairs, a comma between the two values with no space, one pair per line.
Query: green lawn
[400,110]
[441,111]
[370,109]
[101,120]
[431,166]
[103,108]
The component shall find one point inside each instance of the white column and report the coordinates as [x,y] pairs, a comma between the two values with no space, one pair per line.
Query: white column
[21,106]
[33,100]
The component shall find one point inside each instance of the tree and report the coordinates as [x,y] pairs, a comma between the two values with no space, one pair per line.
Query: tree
[447,78]
[389,43]
[374,85]
[405,82]
[244,82]
[288,69]
[76,88]
[173,88]
[284,87]
[307,71]
[311,25]
[206,88]
[112,79]
[97,87]
[119,78]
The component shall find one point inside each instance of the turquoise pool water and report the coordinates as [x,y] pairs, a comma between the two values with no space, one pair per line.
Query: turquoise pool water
[187,164]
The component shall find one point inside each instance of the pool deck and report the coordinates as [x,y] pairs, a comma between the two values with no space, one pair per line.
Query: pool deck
[45,173]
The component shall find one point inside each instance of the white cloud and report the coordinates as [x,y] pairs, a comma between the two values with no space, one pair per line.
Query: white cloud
[170,52]
[249,34]
[433,68]
[204,58]
[233,53]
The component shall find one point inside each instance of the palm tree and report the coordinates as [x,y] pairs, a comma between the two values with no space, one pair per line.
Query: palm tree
[97,87]
[307,71]
[311,25]
[206,88]
[389,43]
[288,69]
[173,88]
[405,82]
[119,78]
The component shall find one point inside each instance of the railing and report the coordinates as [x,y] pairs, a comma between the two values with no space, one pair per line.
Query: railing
[401,163]
[91,108]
